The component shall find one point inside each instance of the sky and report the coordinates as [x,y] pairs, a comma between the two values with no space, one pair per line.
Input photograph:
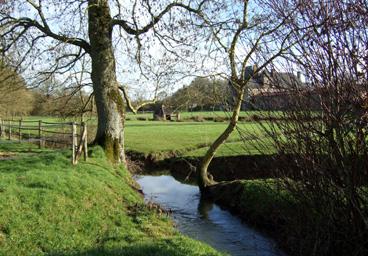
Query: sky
[161,66]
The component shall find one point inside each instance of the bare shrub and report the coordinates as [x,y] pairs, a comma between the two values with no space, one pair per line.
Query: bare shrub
[322,136]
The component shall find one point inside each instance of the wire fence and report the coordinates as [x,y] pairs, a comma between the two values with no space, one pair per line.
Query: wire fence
[48,134]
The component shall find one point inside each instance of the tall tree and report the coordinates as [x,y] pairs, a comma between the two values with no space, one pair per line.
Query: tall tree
[61,35]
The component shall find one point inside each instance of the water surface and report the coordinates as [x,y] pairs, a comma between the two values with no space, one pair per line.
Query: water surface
[205,221]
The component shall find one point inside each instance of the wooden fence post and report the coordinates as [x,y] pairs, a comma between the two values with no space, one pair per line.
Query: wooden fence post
[39,133]
[10,130]
[20,130]
[85,141]
[74,144]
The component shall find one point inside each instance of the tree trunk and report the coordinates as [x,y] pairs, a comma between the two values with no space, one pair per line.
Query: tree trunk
[109,102]
[204,180]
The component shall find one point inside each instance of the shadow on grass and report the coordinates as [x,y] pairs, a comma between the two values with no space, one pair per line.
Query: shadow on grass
[132,250]
[104,167]
[22,163]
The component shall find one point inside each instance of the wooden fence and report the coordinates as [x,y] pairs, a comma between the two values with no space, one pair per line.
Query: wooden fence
[48,134]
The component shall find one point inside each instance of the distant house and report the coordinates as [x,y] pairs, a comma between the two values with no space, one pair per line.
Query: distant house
[270,89]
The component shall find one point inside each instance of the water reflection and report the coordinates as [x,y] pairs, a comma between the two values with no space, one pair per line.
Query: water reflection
[204,207]
[203,220]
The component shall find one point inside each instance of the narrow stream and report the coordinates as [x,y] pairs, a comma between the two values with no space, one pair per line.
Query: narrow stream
[205,221]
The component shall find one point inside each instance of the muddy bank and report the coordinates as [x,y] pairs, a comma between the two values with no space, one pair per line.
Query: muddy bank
[221,168]
[263,203]
[246,167]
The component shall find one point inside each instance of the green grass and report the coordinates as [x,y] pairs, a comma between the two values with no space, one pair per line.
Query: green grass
[203,114]
[186,138]
[250,147]
[48,207]
[264,199]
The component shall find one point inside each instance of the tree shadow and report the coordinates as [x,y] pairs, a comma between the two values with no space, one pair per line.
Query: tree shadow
[146,249]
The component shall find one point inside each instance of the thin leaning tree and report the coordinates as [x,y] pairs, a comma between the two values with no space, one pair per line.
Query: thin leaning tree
[248,36]
[51,37]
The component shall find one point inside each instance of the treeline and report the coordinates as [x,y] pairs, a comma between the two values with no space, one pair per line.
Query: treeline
[15,98]
[18,100]
[200,94]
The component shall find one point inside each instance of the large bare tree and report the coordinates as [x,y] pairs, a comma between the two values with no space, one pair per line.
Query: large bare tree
[52,37]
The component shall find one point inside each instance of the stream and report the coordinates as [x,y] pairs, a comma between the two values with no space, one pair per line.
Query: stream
[203,220]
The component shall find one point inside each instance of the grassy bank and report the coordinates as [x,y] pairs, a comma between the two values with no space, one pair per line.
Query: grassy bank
[294,221]
[266,206]
[48,207]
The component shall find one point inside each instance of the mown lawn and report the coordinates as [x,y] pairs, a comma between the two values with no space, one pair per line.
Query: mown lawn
[237,148]
[190,138]
[48,207]
[187,138]
[203,114]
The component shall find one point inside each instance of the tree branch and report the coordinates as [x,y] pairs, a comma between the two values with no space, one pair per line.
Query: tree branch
[28,23]
[129,102]
[155,19]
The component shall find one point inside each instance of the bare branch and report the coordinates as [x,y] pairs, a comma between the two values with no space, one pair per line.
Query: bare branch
[132,108]
[155,19]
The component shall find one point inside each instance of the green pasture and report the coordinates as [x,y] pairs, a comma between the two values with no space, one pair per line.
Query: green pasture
[249,147]
[192,138]
[186,116]
[187,138]
[49,207]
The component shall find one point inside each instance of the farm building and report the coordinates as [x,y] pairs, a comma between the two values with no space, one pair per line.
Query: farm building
[272,90]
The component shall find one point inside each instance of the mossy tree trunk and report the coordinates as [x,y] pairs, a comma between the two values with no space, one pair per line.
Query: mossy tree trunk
[109,102]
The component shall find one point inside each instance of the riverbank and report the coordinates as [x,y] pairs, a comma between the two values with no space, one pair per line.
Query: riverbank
[222,168]
[301,219]
[49,207]
[264,205]
[260,198]
[254,195]
[203,220]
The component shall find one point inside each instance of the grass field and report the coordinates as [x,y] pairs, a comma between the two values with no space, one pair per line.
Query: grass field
[186,138]
[48,207]
[203,114]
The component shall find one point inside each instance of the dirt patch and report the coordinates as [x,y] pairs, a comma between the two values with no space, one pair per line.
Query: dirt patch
[7,155]
[2,238]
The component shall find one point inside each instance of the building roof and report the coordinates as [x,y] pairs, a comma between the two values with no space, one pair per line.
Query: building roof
[271,79]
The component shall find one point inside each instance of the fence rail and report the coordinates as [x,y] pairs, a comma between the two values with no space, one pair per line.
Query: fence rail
[48,134]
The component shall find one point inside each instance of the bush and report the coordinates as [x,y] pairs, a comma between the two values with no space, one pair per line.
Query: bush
[220,119]
[197,118]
